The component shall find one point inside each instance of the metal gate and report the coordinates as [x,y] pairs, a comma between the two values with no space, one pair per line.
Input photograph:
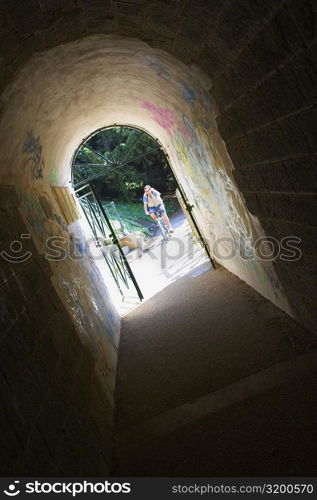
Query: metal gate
[189,209]
[103,230]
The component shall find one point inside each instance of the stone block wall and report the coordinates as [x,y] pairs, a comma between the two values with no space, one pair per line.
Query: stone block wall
[266,106]
[56,417]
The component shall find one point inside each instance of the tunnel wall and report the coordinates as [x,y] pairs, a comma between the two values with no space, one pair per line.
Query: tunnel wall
[204,169]
[266,100]
[60,328]
[56,416]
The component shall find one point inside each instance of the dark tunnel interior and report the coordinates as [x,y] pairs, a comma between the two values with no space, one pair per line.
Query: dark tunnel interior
[228,88]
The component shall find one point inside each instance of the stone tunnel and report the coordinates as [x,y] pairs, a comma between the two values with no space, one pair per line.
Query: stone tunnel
[228,88]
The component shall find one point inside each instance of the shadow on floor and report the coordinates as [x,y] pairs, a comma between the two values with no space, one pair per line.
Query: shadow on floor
[212,355]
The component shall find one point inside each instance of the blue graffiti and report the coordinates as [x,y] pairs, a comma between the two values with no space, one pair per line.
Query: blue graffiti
[188,94]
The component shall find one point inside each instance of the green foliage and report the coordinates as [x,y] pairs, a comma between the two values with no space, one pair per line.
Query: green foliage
[121,160]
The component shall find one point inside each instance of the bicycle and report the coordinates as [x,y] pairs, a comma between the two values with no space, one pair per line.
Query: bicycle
[163,227]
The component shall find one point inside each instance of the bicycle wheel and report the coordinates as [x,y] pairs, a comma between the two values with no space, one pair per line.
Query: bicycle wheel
[160,226]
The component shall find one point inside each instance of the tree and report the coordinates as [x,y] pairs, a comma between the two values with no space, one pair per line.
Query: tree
[119,161]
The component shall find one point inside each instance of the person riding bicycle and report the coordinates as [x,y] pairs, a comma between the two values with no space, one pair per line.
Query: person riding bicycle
[153,203]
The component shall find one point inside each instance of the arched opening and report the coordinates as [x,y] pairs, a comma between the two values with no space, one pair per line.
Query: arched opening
[109,171]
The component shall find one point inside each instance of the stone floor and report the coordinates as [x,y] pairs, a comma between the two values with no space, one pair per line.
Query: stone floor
[214,380]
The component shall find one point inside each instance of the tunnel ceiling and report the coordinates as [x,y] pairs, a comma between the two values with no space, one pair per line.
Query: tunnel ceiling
[209,33]
[68,92]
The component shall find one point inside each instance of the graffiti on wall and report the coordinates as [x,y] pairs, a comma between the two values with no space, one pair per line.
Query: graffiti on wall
[87,300]
[52,212]
[41,215]
[220,207]
[81,279]
[32,147]
[81,283]
[164,117]
[186,89]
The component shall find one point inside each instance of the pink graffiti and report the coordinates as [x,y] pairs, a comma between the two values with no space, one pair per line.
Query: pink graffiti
[184,130]
[164,117]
